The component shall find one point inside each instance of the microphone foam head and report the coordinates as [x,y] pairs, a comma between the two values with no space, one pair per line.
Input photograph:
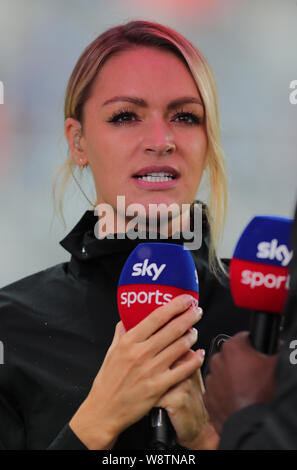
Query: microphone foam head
[259,276]
[154,274]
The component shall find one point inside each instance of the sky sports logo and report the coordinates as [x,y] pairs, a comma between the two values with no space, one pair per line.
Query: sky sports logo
[273,251]
[151,270]
[156,297]
[259,269]
[269,251]
[146,269]
[270,281]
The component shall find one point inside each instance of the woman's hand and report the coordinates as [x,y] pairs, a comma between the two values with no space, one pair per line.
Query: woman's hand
[185,407]
[137,371]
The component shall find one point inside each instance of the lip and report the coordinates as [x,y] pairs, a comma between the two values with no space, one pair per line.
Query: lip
[157,169]
[156,186]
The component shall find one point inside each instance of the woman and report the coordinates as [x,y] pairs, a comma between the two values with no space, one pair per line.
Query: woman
[141,100]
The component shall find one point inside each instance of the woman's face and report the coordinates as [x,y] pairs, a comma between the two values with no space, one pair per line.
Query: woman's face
[144,110]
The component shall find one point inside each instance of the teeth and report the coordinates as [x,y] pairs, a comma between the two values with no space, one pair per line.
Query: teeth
[156,177]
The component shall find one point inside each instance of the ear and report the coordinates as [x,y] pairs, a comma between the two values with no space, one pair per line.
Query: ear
[75,141]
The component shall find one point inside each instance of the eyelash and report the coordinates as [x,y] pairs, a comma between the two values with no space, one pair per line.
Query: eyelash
[197,120]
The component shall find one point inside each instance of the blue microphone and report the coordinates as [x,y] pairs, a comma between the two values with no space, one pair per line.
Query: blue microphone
[259,277]
[154,274]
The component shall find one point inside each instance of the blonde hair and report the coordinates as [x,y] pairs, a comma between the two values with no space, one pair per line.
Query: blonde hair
[144,33]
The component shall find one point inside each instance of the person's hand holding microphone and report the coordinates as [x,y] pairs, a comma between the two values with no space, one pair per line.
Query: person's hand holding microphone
[137,371]
[243,372]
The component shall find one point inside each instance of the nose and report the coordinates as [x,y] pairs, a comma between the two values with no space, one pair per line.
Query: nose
[165,148]
[159,140]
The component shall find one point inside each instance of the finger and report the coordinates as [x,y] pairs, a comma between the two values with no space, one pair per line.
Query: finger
[190,386]
[173,376]
[182,359]
[118,333]
[175,351]
[186,357]
[159,317]
[174,397]
[174,330]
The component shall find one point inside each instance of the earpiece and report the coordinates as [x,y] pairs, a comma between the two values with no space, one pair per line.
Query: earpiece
[76,142]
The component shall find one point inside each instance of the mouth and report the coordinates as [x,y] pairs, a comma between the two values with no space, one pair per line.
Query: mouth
[156,177]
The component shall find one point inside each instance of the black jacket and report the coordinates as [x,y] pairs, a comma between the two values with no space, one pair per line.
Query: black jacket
[272,426]
[56,326]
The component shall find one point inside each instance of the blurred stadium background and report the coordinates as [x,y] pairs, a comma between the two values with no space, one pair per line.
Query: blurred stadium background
[252,48]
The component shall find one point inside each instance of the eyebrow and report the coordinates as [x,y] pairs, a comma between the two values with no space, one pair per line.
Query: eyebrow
[140,102]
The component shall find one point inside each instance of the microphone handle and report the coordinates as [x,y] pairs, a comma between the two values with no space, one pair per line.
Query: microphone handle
[163,431]
[265,331]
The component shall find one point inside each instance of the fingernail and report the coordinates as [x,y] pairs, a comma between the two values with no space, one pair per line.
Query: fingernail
[187,299]
[194,303]
[199,312]
[201,354]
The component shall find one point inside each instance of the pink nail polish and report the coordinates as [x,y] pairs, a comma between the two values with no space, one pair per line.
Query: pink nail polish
[202,353]
[187,299]
[194,303]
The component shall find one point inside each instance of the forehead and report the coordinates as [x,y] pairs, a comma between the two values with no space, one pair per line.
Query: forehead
[145,71]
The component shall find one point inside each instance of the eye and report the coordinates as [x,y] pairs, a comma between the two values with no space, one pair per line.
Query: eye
[126,116]
[188,118]
[123,117]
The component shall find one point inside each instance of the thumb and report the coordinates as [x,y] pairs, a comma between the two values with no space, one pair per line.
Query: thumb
[188,355]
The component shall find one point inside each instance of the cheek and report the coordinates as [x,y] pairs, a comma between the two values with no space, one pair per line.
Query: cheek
[198,153]
[107,168]
[97,150]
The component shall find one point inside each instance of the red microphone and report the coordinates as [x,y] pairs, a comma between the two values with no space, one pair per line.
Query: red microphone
[154,274]
[259,277]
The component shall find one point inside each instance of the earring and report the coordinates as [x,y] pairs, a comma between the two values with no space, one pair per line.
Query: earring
[81,163]
[76,144]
